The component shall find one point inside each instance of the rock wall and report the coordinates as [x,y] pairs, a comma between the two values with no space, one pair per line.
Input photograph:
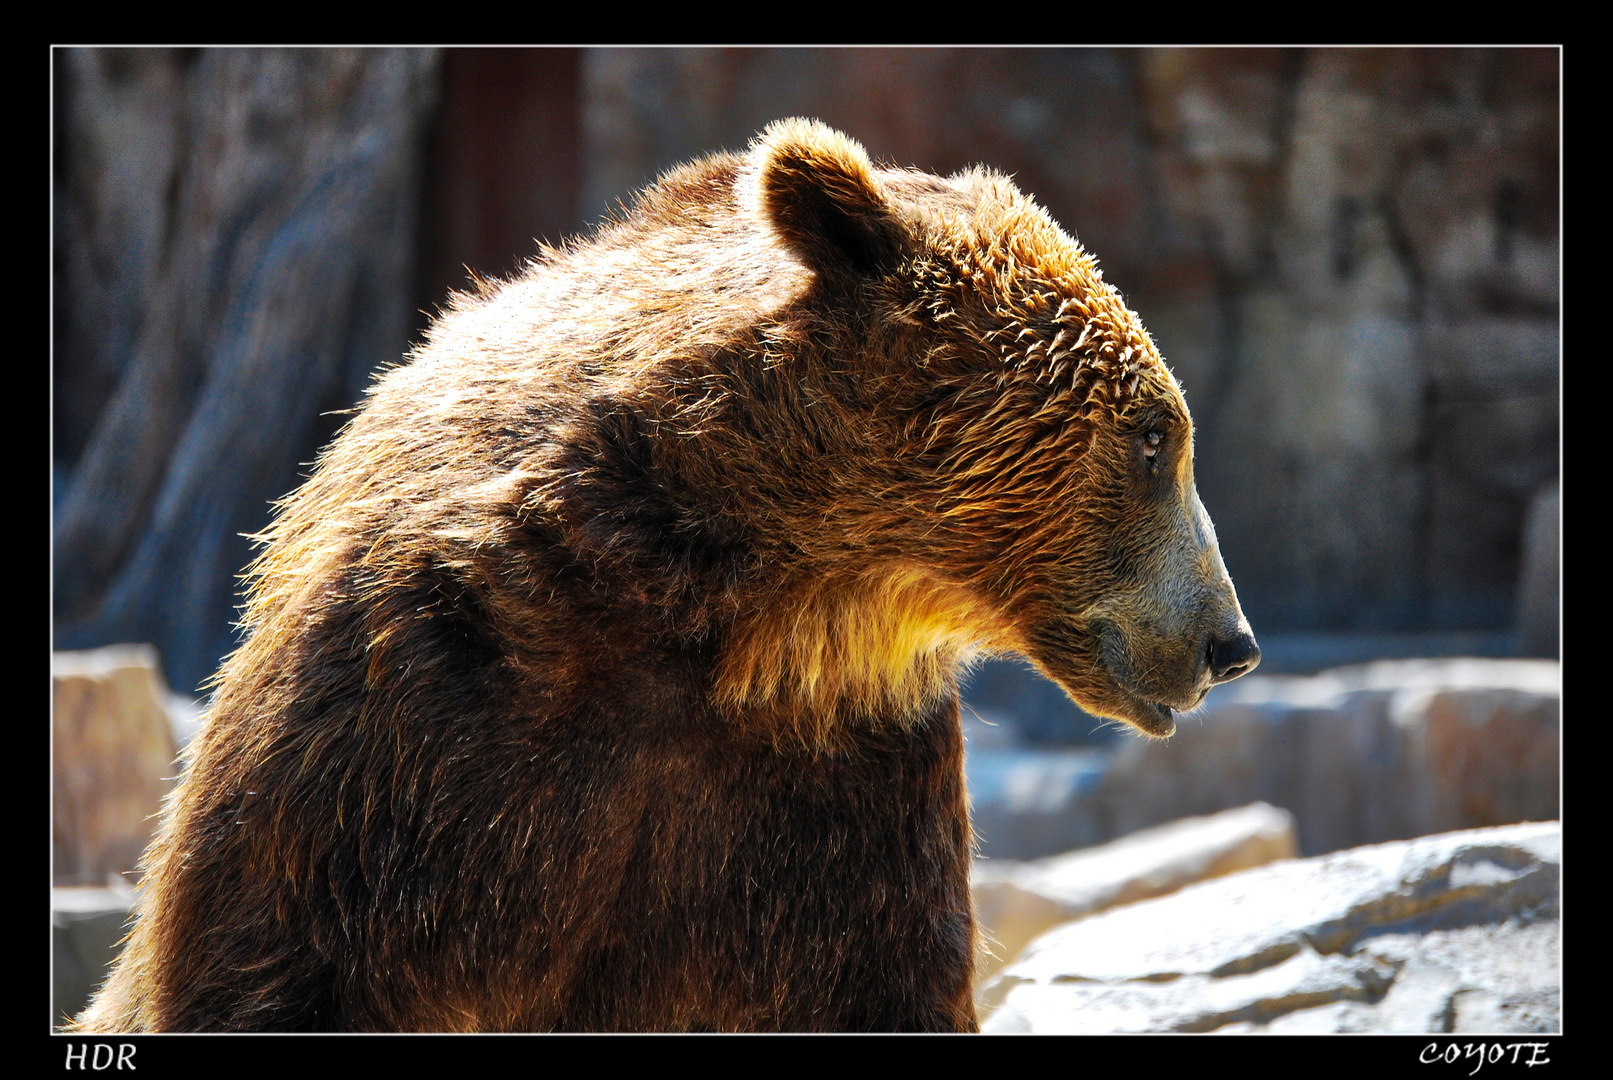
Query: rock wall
[235,234]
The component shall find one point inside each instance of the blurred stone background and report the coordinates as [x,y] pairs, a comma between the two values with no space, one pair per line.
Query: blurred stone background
[1349,257]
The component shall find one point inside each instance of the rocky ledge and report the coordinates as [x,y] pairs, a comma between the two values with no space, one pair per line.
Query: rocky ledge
[1458,932]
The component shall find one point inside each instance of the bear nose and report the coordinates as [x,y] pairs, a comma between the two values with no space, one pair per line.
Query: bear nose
[1233,656]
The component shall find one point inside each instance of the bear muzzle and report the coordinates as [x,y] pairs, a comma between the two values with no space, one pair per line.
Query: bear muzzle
[1123,671]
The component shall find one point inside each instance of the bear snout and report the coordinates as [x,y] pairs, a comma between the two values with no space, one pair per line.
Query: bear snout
[1232,656]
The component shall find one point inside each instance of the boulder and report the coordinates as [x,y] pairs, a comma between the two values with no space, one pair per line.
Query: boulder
[1455,932]
[1016,901]
[113,761]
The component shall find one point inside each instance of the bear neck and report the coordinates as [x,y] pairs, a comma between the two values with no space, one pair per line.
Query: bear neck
[825,655]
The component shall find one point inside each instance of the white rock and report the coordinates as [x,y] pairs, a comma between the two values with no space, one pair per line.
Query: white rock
[1015,901]
[1434,934]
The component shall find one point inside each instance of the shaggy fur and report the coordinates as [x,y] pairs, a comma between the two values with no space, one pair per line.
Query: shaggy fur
[604,674]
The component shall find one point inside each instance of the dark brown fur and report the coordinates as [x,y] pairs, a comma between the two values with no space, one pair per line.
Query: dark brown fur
[603,676]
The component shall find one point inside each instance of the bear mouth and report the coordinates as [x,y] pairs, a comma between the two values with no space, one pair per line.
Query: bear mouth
[1158,719]
[1111,699]
[1098,672]
[1153,718]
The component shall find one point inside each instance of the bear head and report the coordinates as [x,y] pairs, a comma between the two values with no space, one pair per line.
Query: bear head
[1036,492]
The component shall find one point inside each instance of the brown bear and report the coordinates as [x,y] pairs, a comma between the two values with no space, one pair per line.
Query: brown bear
[604,674]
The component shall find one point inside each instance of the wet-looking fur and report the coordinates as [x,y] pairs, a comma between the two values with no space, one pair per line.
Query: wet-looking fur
[604,673]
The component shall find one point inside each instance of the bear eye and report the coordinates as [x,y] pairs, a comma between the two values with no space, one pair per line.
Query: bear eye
[1149,445]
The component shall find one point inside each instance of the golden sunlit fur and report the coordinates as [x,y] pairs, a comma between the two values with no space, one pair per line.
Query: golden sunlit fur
[883,645]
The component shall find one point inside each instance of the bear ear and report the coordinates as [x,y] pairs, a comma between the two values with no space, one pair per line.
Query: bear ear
[817,189]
